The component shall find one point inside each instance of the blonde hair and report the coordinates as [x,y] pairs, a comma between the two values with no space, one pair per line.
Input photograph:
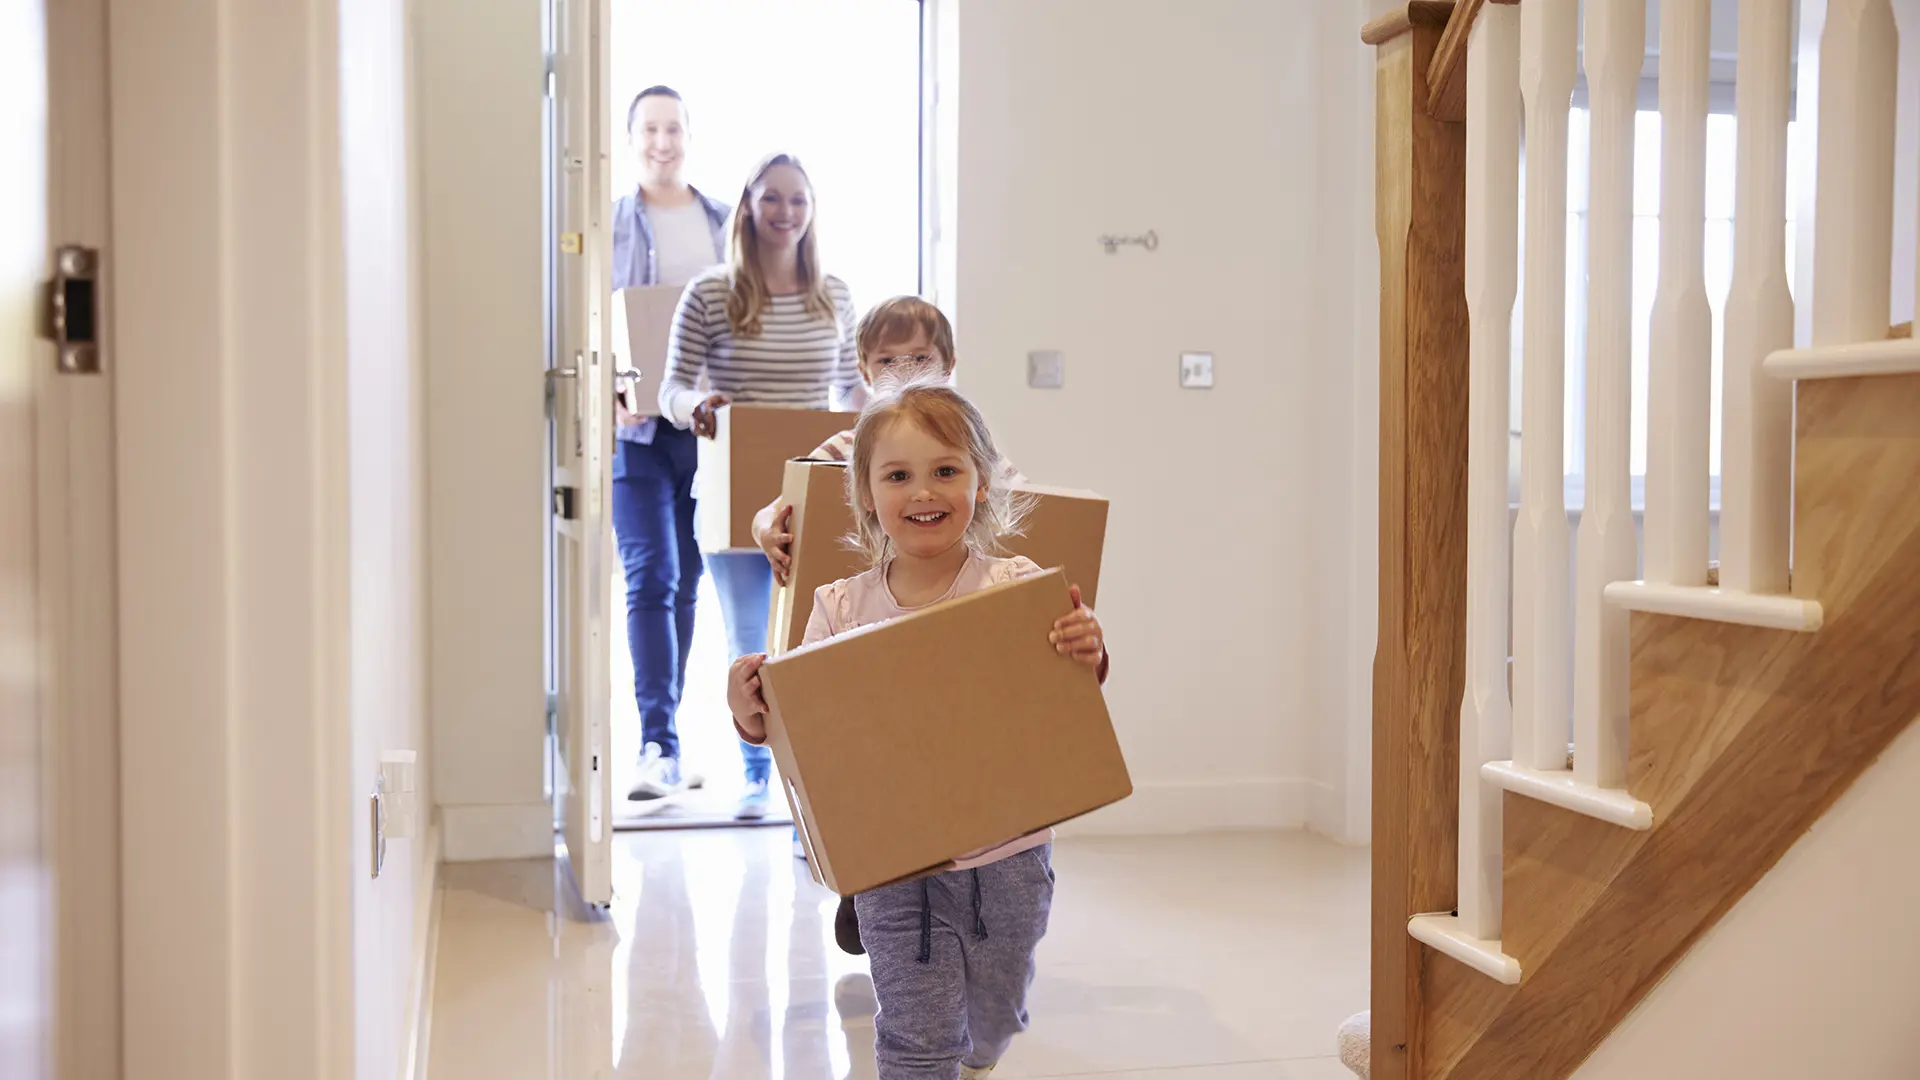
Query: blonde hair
[891,320]
[747,297]
[953,420]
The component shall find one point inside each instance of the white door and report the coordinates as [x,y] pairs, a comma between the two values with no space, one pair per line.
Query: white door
[582,397]
[26,998]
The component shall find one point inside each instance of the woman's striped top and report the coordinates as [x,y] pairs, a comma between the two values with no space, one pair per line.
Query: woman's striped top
[799,361]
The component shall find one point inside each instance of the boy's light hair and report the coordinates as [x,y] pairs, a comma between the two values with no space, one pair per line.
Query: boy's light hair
[953,420]
[891,320]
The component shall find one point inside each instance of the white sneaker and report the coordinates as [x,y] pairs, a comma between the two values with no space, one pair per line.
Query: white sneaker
[660,777]
[754,804]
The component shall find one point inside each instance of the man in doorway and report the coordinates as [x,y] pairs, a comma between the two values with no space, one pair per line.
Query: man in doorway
[664,233]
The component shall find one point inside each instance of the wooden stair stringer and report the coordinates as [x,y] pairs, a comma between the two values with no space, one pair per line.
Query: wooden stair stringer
[1743,737]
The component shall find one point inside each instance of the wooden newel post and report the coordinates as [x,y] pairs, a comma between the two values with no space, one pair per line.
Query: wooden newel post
[1418,674]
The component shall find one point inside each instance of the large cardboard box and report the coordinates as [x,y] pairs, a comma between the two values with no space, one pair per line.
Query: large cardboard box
[822,519]
[911,743]
[741,466]
[647,312]
[1067,529]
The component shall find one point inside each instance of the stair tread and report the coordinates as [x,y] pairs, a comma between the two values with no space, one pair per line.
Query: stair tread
[1714,604]
[1445,933]
[1558,787]
[1892,356]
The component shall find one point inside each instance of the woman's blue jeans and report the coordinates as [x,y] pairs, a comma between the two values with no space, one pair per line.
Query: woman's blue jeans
[744,580]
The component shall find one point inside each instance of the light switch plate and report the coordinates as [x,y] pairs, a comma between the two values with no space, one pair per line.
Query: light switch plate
[1047,369]
[1196,370]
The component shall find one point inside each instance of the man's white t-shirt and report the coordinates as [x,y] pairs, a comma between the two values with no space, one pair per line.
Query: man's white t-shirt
[682,242]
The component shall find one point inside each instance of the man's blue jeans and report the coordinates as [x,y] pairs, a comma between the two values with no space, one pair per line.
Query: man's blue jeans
[653,526]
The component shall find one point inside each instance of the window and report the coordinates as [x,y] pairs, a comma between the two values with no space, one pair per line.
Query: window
[1646,280]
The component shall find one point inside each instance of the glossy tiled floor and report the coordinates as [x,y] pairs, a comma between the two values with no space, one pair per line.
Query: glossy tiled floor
[1209,958]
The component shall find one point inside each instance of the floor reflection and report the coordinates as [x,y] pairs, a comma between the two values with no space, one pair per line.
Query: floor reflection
[1213,958]
[715,961]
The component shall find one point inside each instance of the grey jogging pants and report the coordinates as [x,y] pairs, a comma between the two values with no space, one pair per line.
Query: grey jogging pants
[952,958]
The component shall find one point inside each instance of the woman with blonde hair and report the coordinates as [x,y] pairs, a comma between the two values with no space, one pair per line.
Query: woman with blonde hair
[768,328]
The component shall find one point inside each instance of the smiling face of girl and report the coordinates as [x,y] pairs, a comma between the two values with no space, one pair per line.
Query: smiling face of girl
[923,491]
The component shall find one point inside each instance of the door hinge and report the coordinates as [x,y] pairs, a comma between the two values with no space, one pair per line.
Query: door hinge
[73,310]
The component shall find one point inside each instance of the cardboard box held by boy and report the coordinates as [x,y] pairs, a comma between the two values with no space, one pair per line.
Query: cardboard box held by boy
[741,466]
[912,743]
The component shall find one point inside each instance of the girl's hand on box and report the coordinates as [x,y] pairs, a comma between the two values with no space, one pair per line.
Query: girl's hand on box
[1078,633]
[749,705]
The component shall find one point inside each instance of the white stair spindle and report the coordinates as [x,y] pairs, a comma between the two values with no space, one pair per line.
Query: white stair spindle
[1756,464]
[1679,385]
[1853,193]
[1616,46]
[1542,624]
[1493,187]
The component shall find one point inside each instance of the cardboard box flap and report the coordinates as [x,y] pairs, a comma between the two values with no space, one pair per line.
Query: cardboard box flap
[817,493]
[1061,492]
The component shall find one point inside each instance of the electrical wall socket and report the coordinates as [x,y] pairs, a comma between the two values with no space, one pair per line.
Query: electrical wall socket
[1047,369]
[1196,370]
[400,786]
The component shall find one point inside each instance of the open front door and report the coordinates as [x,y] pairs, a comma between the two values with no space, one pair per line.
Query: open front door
[581,389]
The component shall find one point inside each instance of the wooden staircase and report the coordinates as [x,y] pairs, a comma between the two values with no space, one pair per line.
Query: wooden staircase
[1750,711]
[1743,736]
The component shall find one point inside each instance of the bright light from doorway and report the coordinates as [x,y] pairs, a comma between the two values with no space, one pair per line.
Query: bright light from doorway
[835,81]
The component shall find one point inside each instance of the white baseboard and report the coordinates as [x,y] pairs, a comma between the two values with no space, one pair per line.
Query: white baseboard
[1163,809]
[426,950]
[1328,816]
[481,833]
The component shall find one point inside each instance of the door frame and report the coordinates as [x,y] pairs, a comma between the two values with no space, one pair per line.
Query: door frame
[75,512]
[935,141]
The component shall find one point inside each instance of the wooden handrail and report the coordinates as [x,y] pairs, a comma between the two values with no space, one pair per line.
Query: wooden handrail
[1447,78]
[1430,13]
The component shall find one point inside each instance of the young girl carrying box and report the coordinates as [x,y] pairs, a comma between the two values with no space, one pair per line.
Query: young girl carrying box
[952,955]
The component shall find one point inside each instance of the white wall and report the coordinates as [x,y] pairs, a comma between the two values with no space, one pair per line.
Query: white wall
[1811,974]
[237,851]
[1906,159]
[385,462]
[269,509]
[1228,127]
[480,77]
